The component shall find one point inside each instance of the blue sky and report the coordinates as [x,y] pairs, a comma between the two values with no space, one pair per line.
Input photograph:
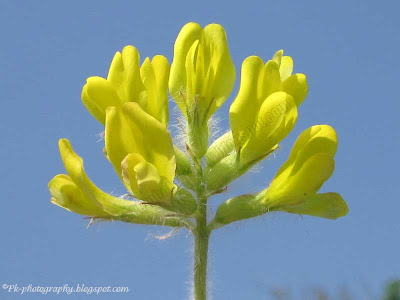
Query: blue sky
[349,51]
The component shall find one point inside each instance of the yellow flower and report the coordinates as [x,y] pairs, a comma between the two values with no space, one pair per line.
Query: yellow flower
[295,186]
[141,150]
[76,192]
[276,118]
[310,164]
[128,82]
[132,103]
[202,72]
[265,109]
[201,79]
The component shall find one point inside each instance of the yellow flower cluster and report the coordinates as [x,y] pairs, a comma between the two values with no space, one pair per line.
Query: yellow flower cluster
[132,104]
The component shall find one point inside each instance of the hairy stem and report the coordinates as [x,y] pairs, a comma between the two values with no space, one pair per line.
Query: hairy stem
[201,238]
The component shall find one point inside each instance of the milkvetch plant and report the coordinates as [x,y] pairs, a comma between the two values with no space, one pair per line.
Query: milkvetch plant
[171,185]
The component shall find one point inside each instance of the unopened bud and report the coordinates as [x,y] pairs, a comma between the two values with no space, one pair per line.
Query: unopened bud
[221,148]
[238,208]
[183,202]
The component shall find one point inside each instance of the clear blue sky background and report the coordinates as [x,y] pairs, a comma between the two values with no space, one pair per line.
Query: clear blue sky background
[350,53]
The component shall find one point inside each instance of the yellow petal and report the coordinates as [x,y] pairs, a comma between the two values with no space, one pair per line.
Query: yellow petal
[132,130]
[124,75]
[194,74]
[286,67]
[258,81]
[145,181]
[269,81]
[324,135]
[155,76]
[220,76]
[119,139]
[97,95]
[296,86]
[318,139]
[147,177]
[276,118]
[309,165]
[328,205]
[66,194]
[308,180]
[74,166]
[177,81]
[129,173]
[244,109]
[153,140]
[285,64]
[278,57]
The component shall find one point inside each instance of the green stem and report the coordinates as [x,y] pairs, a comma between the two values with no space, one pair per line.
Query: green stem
[201,238]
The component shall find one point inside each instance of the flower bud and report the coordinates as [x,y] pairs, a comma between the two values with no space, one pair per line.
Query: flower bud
[238,208]
[221,148]
[183,164]
[183,202]
[184,171]
[222,173]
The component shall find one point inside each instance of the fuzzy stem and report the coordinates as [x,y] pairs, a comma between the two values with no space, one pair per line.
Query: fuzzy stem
[201,238]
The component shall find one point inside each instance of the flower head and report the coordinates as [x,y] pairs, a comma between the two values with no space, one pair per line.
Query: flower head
[132,104]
